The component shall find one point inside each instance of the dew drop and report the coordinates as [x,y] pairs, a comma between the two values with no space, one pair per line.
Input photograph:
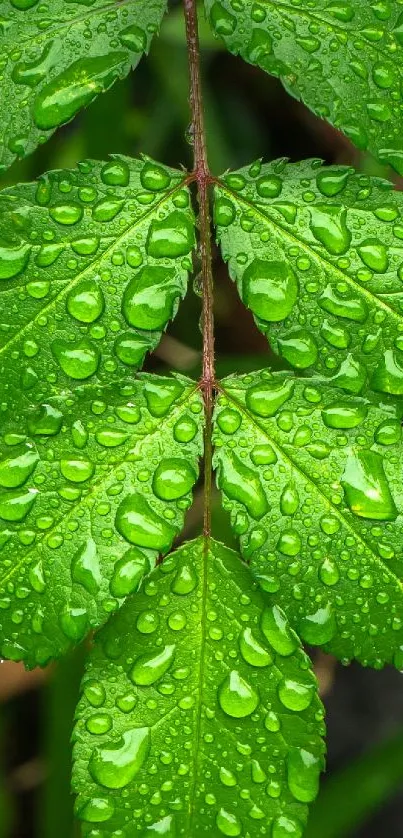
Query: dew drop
[154,177]
[242,484]
[116,173]
[85,567]
[303,772]
[15,470]
[128,573]
[295,695]
[366,487]
[173,479]
[270,289]
[150,296]
[319,627]
[78,360]
[266,399]
[150,667]
[13,260]
[115,765]
[140,525]
[252,650]
[86,302]
[328,225]
[15,504]
[236,697]
[344,415]
[275,627]
[172,237]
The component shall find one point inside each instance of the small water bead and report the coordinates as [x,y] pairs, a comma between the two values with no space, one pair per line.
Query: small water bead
[275,627]
[154,177]
[74,88]
[236,697]
[266,398]
[128,573]
[229,420]
[173,479]
[252,650]
[366,487]
[177,620]
[150,667]
[86,301]
[172,237]
[303,770]
[78,360]
[115,765]
[289,543]
[270,289]
[140,525]
[227,777]
[116,172]
[15,470]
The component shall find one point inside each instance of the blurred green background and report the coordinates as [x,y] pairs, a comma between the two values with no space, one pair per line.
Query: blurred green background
[248,115]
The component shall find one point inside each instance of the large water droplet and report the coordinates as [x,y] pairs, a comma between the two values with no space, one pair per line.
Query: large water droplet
[85,567]
[332,181]
[366,487]
[115,766]
[275,627]
[303,772]
[328,225]
[165,827]
[285,827]
[15,470]
[252,650]
[352,309]
[150,667]
[77,470]
[320,626]
[299,348]
[128,573]
[173,479]
[46,421]
[242,484]
[172,237]
[270,289]
[13,259]
[154,177]
[79,360]
[160,395]
[265,399]
[139,524]
[15,505]
[296,695]
[344,415]
[150,296]
[289,500]
[388,376]
[75,88]
[236,697]
[86,302]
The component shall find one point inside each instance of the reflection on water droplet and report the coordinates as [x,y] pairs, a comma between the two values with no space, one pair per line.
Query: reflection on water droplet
[270,289]
[242,484]
[344,414]
[13,259]
[128,573]
[116,173]
[150,297]
[166,827]
[15,470]
[303,774]
[228,823]
[115,765]
[85,567]
[328,225]
[15,504]
[154,177]
[172,237]
[86,302]
[366,487]
[78,360]
[173,479]
[320,626]
[285,827]
[275,627]
[252,650]
[265,399]
[295,695]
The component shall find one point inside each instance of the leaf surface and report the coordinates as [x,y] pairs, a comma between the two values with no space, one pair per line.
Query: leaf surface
[93,264]
[341,59]
[94,485]
[199,712]
[57,58]
[317,255]
[313,482]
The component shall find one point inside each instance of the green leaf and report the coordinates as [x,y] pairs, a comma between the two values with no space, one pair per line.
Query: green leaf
[199,712]
[312,480]
[343,59]
[56,59]
[93,263]
[317,254]
[94,485]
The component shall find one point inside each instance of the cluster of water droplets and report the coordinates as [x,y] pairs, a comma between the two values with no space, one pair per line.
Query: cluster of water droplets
[341,58]
[154,742]
[93,487]
[312,481]
[94,262]
[58,56]
[317,254]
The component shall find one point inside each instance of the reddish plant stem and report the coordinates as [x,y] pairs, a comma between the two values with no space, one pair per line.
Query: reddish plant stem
[203,178]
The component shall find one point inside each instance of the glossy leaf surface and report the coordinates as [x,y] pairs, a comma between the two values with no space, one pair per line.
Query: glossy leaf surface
[343,59]
[94,485]
[313,482]
[199,714]
[57,57]
[93,263]
[317,254]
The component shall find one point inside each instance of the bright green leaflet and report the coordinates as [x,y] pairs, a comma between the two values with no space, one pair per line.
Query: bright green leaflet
[94,486]
[317,254]
[343,59]
[93,263]
[313,483]
[57,58]
[199,714]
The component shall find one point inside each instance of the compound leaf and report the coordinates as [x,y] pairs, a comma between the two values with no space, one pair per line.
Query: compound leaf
[317,254]
[312,480]
[199,713]
[94,485]
[93,263]
[343,59]
[57,59]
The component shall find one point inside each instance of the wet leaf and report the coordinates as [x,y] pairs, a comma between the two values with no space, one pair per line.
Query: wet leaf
[343,59]
[93,264]
[312,480]
[317,255]
[199,711]
[57,58]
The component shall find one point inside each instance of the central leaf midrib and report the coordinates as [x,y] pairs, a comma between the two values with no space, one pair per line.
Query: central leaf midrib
[94,487]
[281,231]
[205,545]
[337,513]
[70,283]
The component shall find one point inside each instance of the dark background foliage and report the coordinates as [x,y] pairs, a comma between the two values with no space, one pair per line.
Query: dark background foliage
[248,115]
